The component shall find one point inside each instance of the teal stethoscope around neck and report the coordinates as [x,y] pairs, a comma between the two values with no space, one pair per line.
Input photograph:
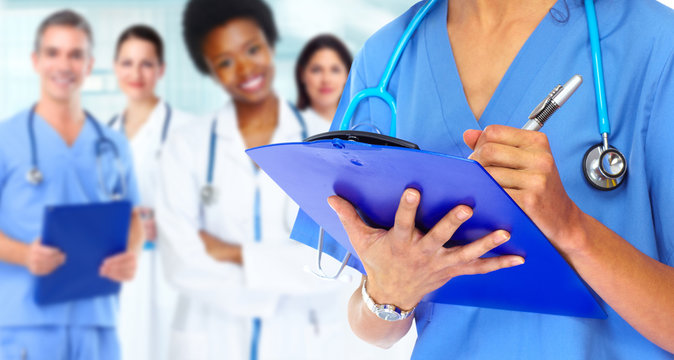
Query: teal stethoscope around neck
[102,144]
[604,166]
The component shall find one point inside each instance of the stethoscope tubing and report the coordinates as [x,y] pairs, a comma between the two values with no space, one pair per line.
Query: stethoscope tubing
[381,91]
[597,68]
[99,149]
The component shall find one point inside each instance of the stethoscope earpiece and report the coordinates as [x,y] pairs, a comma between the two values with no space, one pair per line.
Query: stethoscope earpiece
[604,168]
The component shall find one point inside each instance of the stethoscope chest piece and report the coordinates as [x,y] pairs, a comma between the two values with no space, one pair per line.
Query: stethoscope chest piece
[208,194]
[34,176]
[604,167]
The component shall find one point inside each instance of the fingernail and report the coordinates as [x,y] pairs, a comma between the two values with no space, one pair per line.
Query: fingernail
[463,214]
[410,196]
[330,204]
[515,262]
[502,237]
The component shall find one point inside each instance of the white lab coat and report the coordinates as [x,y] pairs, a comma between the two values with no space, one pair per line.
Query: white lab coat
[303,317]
[148,302]
[315,123]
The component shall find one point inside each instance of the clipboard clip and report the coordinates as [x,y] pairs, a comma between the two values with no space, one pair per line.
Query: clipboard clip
[320,272]
[363,137]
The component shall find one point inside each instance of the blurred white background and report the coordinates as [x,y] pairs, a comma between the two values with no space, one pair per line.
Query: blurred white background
[182,86]
[298,20]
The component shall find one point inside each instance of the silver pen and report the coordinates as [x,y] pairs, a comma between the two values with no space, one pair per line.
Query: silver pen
[551,103]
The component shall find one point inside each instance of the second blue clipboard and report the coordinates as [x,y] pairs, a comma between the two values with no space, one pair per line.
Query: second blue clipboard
[373,178]
[87,234]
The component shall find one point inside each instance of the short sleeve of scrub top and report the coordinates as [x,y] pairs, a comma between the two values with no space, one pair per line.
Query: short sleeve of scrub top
[637,39]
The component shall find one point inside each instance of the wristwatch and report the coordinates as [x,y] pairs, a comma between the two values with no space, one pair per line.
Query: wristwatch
[384,311]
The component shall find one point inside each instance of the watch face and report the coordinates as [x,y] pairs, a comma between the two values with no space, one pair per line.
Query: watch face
[388,315]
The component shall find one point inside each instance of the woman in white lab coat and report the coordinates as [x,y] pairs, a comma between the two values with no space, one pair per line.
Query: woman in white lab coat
[147,302]
[321,71]
[243,291]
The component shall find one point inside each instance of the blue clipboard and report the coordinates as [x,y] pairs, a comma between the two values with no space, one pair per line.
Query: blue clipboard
[373,177]
[87,234]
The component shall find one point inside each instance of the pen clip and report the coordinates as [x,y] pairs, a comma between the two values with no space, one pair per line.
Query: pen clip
[545,103]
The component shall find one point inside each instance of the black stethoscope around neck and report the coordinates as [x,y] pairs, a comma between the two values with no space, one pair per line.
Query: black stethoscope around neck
[36,177]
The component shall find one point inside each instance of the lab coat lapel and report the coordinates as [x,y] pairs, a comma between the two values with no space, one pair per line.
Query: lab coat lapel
[230,141]
[288,128]
[147,138]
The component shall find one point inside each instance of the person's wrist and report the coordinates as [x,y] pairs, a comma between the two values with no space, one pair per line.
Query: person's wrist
[573,239]
[393,296]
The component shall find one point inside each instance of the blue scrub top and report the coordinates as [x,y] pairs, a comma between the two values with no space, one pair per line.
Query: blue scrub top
[637,39]
[70,177]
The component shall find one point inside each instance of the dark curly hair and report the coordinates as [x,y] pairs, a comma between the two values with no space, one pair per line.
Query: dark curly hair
[325,41]
[202,16]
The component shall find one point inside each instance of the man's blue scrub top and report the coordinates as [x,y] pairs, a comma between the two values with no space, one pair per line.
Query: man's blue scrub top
[637,39]
[70,177]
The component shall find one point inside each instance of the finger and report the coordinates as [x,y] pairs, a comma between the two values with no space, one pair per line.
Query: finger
[509,179]
[404,224]
[486,265]
[113,261]
[60,259]
[511,136]
[119,259]
[470,137]
[445,228]
[44,250]
[495,154]
[469,252]
[354,226]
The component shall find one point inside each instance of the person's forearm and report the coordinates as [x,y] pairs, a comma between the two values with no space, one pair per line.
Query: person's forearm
[221,250]
[369,327]
[12,251]
[636,286]
[136,232]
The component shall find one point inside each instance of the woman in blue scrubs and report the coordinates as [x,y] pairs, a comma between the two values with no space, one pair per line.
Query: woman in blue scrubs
[64,142]
[473,71]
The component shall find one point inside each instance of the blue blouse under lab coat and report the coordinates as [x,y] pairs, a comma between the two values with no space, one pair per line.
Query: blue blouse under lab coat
[637,39]
[70,177]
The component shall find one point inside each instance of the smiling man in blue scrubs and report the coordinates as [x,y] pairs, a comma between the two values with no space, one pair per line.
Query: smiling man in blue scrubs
[64,142]
[465,84]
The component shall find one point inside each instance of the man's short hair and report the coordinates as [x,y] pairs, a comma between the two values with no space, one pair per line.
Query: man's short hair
[64,18]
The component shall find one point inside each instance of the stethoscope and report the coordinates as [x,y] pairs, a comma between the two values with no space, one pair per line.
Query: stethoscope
[208,197]
[208,192]
[165,126]
[604,166]
[36,177]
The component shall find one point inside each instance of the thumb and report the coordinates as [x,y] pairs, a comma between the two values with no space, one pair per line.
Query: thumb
[355,227]
[470,137]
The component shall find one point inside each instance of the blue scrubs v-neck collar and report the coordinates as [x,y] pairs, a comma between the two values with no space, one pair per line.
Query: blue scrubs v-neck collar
[516,81]
[46,136]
